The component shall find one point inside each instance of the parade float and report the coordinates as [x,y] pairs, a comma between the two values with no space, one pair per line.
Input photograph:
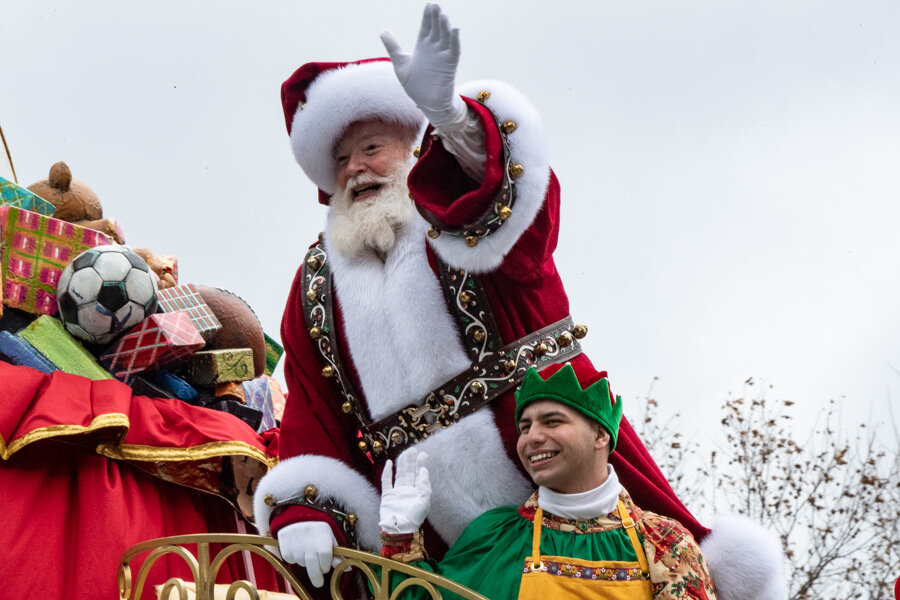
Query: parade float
[138,412]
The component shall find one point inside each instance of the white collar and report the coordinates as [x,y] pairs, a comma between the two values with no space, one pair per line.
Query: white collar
[591,504]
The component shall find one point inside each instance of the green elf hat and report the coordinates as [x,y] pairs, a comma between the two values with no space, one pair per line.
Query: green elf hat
[563,386]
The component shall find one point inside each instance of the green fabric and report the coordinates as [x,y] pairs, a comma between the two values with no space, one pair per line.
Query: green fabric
[563,386]
[490,554]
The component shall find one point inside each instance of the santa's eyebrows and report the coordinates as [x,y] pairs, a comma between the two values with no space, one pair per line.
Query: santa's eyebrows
[363,138]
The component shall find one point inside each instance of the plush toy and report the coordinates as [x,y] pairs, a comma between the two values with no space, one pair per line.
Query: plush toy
[160,266]
[75,202]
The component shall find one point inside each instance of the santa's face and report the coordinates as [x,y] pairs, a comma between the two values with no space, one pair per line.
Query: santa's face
[561,449]
[369,148]
[371,205]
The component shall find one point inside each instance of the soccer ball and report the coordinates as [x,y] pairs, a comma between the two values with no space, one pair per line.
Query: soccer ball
[104,292]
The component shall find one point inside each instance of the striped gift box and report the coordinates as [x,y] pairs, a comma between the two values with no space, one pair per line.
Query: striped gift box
[186,299]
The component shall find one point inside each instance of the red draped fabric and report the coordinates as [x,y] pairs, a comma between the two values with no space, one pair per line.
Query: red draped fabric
[88,470]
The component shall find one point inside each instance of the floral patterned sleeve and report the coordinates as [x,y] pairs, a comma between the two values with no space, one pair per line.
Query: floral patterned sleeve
[677,567]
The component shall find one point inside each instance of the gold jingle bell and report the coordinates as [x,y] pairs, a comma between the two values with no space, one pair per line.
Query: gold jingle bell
[541,349]
[269,500]
[313,262]
[471,241]
[363,445]
[396,437]
[508,127]
[327,371]
[504,213]
[352,519]
[377,447]
[311,492]
[477,387]
[478,335]
[565,339]
[347,407]
[312,295]
[579,331]
[516,170]
[434,232]
[509,365]
[315,333]
[483,96]
[465,297]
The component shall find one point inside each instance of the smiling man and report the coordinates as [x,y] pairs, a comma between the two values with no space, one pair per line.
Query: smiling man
[579,535]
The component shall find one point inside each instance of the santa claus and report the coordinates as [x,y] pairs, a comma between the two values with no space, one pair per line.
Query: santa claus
[430,293]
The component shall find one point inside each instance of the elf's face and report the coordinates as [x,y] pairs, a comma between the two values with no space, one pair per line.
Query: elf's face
[370,151]
[561,449]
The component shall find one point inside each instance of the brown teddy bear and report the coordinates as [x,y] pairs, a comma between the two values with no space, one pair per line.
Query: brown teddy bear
[162,270]
[75,202]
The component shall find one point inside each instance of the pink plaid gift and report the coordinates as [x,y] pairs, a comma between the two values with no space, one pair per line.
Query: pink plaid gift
[36,250]
[157,341]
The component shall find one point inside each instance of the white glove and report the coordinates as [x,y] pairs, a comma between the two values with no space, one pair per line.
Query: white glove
[309,544]
[428,75]
[405,503]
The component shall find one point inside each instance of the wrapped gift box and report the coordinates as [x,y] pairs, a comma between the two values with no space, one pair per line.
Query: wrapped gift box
[36,250]
[258,395]
[48,336]
[176,385]
[17,351]
[273,354]
[218,366]
[278,399]
[184,298]
[13,194]
[157,341]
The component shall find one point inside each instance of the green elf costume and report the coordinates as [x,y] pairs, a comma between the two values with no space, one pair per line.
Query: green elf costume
[593,544]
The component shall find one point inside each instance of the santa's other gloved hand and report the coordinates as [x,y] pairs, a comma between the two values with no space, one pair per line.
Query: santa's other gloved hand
[309,544]
[428,75]
[405,502]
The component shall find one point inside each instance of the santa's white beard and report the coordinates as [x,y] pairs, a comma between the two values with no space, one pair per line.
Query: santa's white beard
[373,223]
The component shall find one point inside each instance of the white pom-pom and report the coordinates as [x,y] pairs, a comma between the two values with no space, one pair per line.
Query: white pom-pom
[746,561]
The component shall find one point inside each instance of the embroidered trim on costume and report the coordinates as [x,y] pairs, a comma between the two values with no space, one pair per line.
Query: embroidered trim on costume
[200,452]
[596,525]
[403,547]
[601,573]
[500,209]
[108,420]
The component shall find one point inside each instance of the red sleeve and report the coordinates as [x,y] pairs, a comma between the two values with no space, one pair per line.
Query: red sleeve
[443,190]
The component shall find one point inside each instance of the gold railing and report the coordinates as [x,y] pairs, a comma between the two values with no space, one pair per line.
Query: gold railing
[205,568]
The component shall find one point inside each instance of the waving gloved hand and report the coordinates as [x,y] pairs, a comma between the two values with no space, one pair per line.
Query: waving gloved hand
[405,502]
[428,75]
[309,544]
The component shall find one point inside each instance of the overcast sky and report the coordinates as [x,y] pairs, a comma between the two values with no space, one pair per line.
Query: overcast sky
[730,170]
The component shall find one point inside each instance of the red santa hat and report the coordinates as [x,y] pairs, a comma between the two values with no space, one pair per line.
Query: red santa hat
[321,100]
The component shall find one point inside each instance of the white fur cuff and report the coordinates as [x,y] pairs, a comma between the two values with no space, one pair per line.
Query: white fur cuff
[333,479]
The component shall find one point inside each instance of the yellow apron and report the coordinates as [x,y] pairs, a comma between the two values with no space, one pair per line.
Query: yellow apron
[558,577]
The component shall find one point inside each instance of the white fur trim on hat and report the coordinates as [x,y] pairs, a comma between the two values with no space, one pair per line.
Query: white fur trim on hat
[746,561]
[528,148]
[334,479]
[336,99]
